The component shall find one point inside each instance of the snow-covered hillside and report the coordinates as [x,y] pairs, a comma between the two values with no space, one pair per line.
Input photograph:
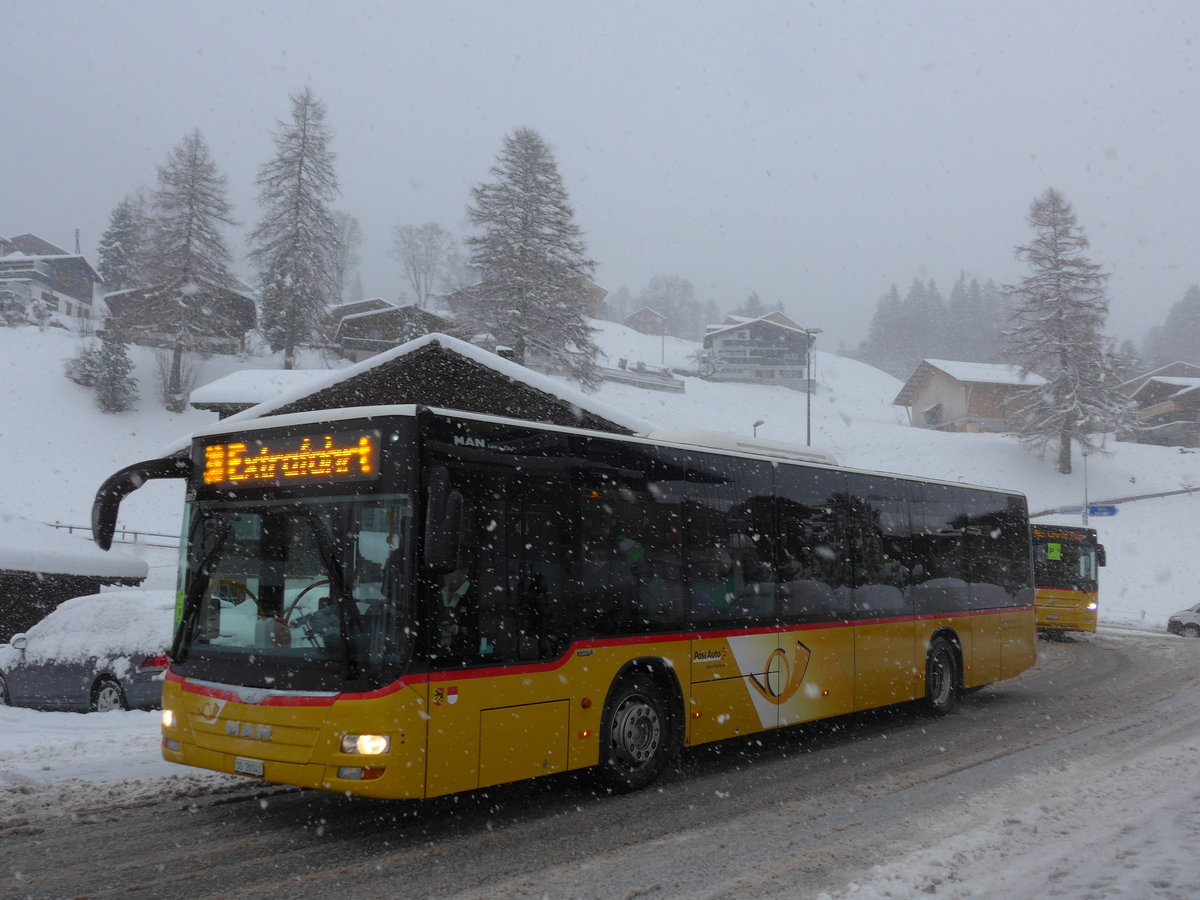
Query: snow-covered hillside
[55,422]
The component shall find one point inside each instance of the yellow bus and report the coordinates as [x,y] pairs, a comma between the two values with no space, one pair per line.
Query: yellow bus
[1066,566]
[406,602]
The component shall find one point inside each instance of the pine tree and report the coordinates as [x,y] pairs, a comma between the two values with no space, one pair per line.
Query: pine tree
[122,252]
[532,258]
[1061,309]
[294,247]
[116,389]
[189,261]
[753,308]
[1178,340]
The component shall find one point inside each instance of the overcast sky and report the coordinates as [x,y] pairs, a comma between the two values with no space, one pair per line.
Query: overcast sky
[812,152]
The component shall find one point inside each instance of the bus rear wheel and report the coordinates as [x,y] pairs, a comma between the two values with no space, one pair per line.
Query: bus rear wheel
[635,735]
[941,678]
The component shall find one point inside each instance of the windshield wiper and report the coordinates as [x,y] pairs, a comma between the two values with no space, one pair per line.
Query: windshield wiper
[199,584]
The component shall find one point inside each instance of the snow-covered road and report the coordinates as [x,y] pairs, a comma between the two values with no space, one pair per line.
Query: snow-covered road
[1077,780]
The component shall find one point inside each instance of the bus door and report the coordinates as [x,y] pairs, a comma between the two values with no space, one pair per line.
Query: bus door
[816,645]
[877,547]
[490,722]
[730,594]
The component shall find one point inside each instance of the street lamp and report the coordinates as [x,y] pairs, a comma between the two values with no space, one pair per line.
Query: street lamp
[808,354]
[1085,486]
[755,426]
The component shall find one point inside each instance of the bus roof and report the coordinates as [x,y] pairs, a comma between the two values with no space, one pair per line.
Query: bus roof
[726,444]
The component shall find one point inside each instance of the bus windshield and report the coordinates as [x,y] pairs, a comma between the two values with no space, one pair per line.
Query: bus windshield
[1065,565]
[303,594]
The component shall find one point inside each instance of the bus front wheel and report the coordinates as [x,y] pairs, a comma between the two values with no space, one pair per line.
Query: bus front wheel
[941,678]
[635,735]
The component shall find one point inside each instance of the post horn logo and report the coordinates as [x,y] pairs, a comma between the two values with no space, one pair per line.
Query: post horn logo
[783,677]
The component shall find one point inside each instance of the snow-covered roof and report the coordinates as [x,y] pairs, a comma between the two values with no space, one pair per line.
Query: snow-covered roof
[254,385]
[986,373]
[1183,385]
[743,321]
[967,373]
[29,546]
[504,367]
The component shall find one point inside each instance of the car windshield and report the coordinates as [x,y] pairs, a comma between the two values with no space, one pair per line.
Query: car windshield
[298,594]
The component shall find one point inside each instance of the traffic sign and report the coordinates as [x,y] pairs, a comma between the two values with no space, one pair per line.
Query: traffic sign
[1092,510]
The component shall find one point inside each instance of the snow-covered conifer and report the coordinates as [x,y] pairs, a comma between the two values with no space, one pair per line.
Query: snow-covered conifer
[1061,308]
[116,389]
[122,252]
[188,262]
[295,245]
[532,260]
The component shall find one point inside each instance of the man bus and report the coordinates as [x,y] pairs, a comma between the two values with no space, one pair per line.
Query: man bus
[407,602]
[1066,563]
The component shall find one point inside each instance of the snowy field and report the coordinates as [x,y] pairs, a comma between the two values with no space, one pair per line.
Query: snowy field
[1146,827]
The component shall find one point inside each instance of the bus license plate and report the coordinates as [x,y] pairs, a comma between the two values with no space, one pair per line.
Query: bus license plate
[244,766]
[1052,618]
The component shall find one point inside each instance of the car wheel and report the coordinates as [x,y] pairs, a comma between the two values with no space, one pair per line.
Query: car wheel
[941,678]
[107,695]
[635,735]
[1191,629]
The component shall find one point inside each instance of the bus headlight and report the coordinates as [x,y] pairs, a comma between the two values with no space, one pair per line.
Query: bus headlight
[366,744]
[1093,606]
[168,718]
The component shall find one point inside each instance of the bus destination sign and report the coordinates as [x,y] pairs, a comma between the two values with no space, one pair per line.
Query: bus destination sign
[328,457]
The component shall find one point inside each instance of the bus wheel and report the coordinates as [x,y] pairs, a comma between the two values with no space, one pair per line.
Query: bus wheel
[107,696]
[941,678]
[635,737]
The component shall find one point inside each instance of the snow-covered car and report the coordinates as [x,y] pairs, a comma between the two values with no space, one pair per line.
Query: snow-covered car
[1185,622]
[94,653]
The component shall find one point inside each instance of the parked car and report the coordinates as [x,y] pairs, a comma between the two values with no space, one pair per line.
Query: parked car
[95,653]
[1185,622]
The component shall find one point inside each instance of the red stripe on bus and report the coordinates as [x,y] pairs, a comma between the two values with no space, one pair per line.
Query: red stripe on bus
[552,665]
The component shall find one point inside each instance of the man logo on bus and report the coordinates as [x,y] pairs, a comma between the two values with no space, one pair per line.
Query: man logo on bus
[783,678]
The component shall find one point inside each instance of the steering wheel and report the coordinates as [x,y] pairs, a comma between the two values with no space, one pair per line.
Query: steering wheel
[287,615]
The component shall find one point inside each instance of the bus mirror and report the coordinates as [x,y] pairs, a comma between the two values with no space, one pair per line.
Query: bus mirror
[108,499]
[1101,556]
[443,523]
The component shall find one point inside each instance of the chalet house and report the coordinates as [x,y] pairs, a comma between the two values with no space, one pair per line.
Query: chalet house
[152,315]
[646,320]
[963,396]
[37,278]
[365,332]
[1168,406]
[771,349]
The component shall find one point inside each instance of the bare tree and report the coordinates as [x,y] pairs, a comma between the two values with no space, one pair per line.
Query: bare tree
[424,251]
[346,258]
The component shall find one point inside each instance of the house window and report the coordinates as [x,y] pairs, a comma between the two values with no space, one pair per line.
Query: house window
[50,300]
[69,310]
[932,415]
